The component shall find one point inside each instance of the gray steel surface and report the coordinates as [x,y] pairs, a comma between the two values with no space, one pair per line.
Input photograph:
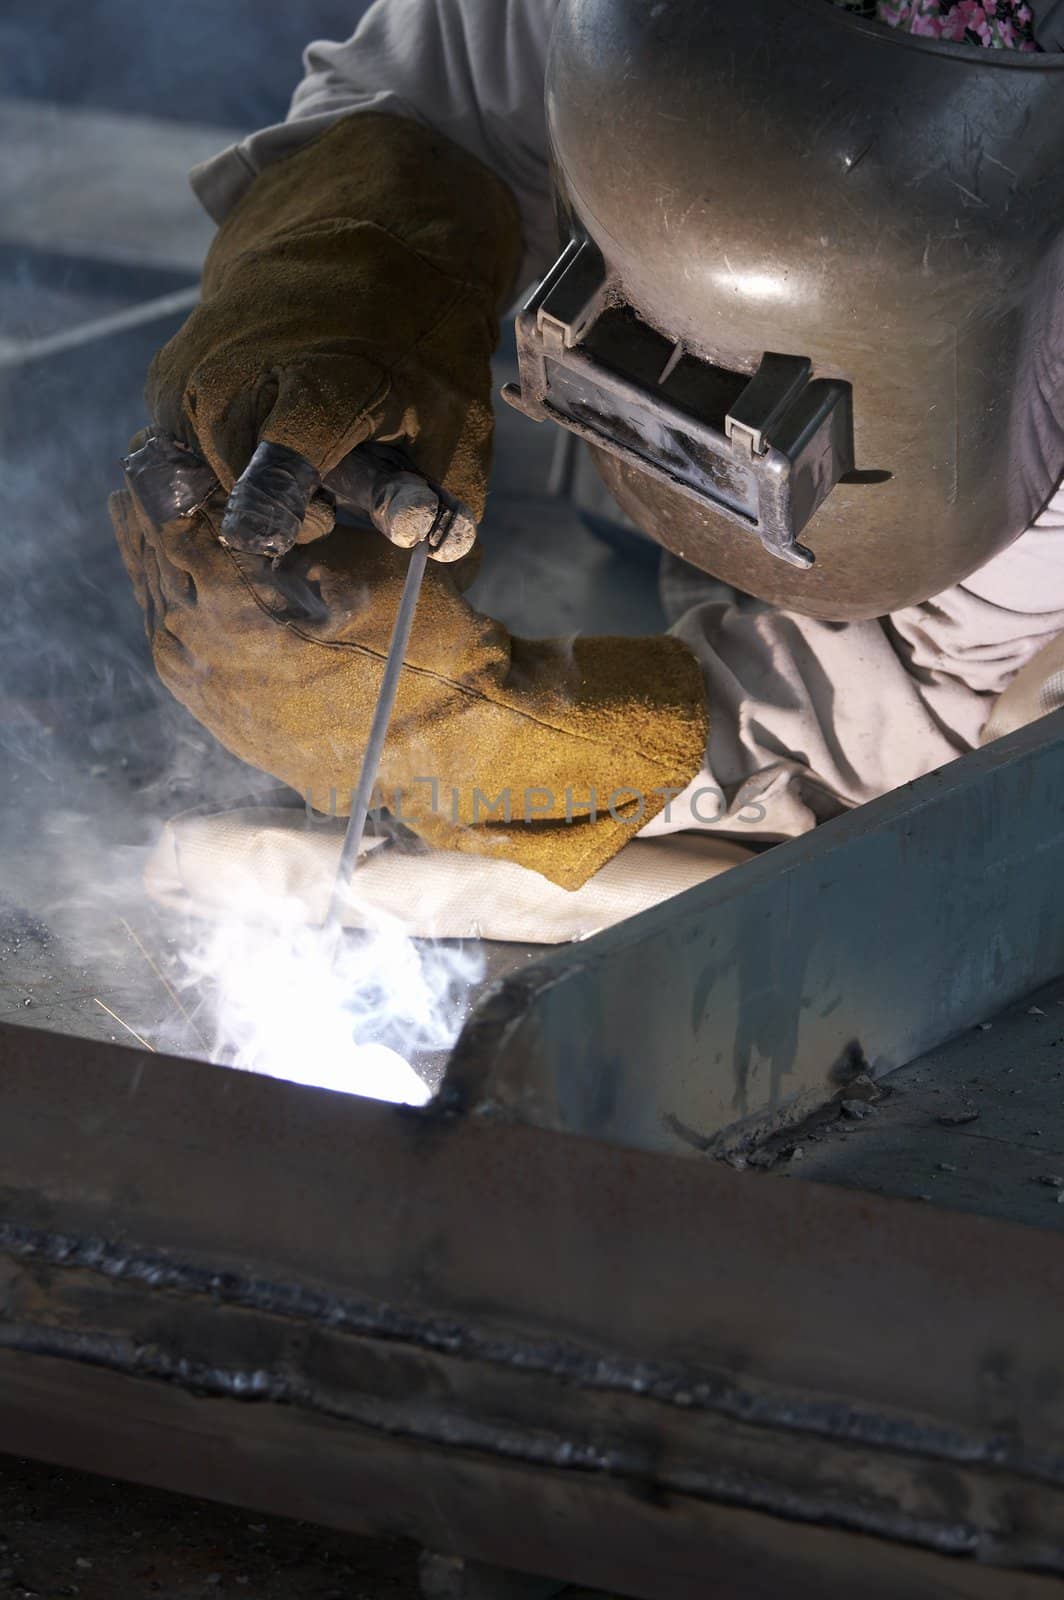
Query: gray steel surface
[764,992]
[976,1124]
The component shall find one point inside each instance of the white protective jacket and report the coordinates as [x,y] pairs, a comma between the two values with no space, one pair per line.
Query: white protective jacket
[808,718]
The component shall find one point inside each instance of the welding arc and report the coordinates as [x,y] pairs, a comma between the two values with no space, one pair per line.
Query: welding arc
[382,716]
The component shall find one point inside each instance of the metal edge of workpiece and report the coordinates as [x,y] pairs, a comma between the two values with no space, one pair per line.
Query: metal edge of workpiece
[747,1002]
[612,1366]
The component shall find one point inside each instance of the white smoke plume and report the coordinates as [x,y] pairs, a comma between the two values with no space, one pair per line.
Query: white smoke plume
[289,1000]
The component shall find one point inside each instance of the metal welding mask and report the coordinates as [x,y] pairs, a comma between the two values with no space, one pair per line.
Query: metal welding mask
[810,313]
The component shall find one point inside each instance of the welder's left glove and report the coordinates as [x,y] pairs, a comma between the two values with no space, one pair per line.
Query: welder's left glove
[352,296]
[551,753]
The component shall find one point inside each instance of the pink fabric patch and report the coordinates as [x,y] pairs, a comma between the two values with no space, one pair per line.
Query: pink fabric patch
[989,24]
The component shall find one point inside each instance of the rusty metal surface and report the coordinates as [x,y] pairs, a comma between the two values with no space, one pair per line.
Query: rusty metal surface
[762,993]
[617,1367]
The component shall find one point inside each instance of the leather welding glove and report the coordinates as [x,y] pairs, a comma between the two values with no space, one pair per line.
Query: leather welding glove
[353,295]
[283,664]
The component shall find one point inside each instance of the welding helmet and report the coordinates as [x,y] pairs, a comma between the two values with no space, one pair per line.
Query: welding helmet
[810,308]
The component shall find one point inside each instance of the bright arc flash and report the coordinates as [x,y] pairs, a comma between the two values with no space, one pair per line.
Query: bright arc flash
[288,1004]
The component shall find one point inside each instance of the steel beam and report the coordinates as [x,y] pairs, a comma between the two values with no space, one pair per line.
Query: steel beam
[539,1352]
[759,995]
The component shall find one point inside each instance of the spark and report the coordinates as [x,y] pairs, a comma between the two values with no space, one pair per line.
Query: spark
[125,1025]
[287,1002]
[164,980]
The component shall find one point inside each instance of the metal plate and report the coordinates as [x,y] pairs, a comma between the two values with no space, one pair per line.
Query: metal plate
[760,994]
[621,1368]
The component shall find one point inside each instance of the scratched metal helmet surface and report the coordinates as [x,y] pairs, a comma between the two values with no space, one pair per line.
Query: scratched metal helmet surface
[886,211]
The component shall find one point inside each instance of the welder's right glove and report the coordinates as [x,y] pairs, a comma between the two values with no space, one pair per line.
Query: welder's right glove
[353,295]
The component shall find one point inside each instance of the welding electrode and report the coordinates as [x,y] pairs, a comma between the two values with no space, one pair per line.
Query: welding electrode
[428,520]
[382,716]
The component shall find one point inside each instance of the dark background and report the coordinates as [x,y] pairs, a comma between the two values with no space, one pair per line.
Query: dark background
[232,62]
[72,646]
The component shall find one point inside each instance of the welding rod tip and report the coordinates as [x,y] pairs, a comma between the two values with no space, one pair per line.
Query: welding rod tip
[404,508]
[407,511]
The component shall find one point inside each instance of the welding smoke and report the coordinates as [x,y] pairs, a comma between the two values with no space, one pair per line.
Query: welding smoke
[286,998]
[94,756]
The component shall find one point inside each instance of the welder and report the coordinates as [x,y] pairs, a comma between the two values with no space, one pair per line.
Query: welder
[830,236]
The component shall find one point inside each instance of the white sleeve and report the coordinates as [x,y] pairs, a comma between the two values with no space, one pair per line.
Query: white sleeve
[472,69]
[811,718]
